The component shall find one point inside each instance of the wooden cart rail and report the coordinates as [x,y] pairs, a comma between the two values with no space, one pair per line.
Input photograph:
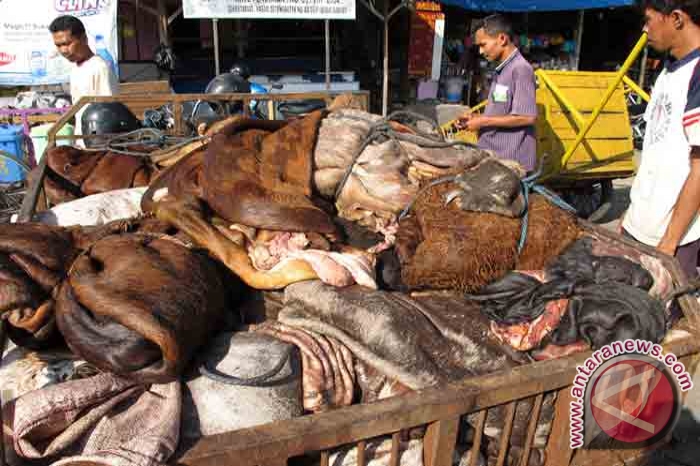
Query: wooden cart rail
[441,408]
[154,101]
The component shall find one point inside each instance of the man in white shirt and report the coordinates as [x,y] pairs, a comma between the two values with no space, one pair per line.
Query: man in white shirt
[92,75]
[665,196]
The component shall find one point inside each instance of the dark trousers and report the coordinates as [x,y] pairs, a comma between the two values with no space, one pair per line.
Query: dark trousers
[687,256]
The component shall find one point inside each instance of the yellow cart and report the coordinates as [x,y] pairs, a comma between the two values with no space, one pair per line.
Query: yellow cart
[584,133]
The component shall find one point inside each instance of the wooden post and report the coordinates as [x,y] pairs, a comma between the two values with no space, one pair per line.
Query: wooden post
[217,65]
[439,442]
[579,38]
[328,55]
[385,81]
[163,23]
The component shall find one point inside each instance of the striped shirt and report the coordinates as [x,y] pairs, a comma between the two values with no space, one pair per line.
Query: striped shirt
[512,93]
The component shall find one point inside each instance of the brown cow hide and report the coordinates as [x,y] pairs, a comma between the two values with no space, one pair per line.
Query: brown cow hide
[34,260]
[176,299]
[73,173]
[276,265]
[444,247]
[263,180]
[113,171]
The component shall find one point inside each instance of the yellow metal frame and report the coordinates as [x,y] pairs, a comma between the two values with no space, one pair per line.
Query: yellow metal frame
[584,124]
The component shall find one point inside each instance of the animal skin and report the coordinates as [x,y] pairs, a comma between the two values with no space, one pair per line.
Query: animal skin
[444,247]
[176,298]
[73,173]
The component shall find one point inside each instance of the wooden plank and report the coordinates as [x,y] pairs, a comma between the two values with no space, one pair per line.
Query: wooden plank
[478,437]
[504,444]
[558,452]
[361,453]
[586,100]
[532,429]
[249,447]
[440,441]
[395,444]
[607,126]
[145,87]
[579,79]
[596,150]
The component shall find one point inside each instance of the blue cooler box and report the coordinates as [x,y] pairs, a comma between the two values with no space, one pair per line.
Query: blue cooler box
[11,137]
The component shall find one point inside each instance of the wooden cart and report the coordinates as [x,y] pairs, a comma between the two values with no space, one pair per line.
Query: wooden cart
[439,409]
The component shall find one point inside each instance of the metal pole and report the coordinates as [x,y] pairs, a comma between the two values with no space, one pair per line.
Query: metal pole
[215,25]
[328,55]
[579,38]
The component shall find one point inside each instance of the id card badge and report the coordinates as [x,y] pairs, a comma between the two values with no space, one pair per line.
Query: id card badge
[500,93]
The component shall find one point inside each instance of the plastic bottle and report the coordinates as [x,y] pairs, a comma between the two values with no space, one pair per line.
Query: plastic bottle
[102,51]
[38,64]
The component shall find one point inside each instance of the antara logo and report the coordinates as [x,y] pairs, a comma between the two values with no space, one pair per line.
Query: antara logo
[73,6]
[6,58]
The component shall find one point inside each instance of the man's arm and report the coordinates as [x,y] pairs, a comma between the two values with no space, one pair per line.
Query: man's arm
[524,106]
[500,121]
[688,202]
[686,207]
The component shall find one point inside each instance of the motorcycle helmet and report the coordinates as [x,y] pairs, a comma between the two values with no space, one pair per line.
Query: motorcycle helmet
[107,118]
[242,70]
[228,83]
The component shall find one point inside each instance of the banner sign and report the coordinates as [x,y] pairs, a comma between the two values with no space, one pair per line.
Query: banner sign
[27,53]
[279,9]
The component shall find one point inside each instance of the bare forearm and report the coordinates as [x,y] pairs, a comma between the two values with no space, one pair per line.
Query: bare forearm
[685,210]
[507,121]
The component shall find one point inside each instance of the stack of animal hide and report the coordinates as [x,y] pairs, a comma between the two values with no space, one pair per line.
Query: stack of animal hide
[605,298]
[444,247]
[246,198]
[401,343]
[73,280]
[73,173]
[35,259]
[386,175]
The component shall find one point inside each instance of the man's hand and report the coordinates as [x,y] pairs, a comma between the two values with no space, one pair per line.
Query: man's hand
[463,120]
[475,123]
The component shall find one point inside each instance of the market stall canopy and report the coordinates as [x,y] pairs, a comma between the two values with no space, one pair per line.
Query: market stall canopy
[535,5]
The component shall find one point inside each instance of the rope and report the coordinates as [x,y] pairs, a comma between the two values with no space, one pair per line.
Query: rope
[143,137]
[257,381]
[527,185]
[383,130]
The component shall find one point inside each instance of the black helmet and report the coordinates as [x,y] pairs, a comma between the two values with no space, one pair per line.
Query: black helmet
[228,83]
[107,118]
[241,69]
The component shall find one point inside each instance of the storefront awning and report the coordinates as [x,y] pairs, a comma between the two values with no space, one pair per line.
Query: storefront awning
[535,5]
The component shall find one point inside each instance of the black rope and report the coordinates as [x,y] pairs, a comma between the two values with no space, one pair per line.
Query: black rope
[121,143]
[257,381]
